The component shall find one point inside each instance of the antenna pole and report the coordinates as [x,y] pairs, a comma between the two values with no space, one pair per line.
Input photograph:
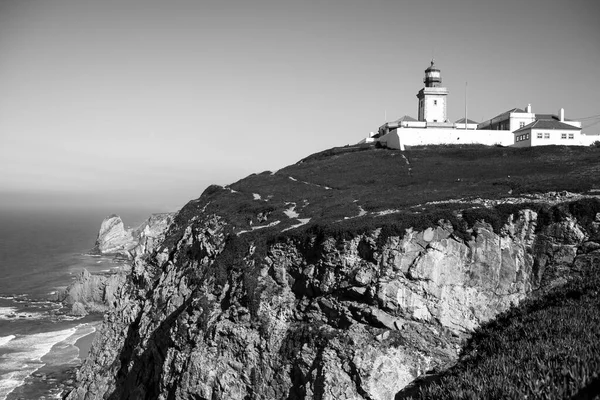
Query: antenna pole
[466,106]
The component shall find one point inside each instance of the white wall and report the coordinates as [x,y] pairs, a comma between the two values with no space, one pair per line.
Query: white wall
[555,138]
[462,126]
[413,124]
[588,139]
[398,138]
[435,112]
[517,118]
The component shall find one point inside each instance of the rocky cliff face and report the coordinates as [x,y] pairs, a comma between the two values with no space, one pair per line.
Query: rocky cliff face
[99,293]
[113,238]
[216,313]
[92,293]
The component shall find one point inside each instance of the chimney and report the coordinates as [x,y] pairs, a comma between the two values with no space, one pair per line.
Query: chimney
[528,108]
[562,115]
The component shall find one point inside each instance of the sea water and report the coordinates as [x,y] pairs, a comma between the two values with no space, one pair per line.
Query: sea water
[41,252]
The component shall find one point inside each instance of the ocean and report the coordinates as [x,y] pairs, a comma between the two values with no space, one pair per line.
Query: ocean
[41,252]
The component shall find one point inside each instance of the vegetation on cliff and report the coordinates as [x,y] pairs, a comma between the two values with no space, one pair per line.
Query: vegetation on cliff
[356,189]
[544,348]
[346,275]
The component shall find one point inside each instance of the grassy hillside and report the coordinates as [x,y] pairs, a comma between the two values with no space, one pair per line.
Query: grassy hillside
[359,187]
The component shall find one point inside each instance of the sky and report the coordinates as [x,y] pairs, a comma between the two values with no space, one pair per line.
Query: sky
[135,103]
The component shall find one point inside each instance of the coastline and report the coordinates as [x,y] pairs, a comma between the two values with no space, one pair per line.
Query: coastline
[43,340]
[56,375]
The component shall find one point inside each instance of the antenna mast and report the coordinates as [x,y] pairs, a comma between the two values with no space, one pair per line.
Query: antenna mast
[466,106]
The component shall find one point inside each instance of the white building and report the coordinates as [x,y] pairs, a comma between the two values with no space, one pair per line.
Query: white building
[432,98]
[551,129]
[516,127]
[544,132]
[530,129]
[432,126]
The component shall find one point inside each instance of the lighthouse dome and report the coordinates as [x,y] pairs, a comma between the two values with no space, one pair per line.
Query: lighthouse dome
[433,76]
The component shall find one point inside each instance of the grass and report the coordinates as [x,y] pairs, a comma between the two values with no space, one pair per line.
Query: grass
[380,179]
[546,348]
[331,186]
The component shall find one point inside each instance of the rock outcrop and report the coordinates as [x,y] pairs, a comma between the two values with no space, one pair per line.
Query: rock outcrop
[92,293]
[114,238]
[99,292]
[212,314]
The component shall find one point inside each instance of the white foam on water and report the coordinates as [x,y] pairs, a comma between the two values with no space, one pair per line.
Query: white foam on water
[24,357]
[6,339]
[8,384]
[65,351]
[69,318]
[6,312]
[12,313]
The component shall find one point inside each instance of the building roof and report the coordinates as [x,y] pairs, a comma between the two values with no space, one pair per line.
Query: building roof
[512,110]
[547,124]
[506,114]
[462,121]
[432,67]
[550,117]
[405,118]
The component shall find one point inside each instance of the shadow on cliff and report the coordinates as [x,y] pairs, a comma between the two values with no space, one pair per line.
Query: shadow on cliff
[142,379]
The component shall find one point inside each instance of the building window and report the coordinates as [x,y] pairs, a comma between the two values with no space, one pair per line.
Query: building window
[571,136]
[521,124]
[563,135]
[547,135]
[527,136]
[435,102]
[539,135]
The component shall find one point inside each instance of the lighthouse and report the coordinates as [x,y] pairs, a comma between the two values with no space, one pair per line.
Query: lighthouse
[432,98]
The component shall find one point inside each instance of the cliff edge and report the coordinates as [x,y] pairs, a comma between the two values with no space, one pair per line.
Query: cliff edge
[345,276]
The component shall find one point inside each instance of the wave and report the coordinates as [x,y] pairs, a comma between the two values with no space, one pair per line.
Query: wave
[7,312]
[6,339]
[24,357]
[24,354]
[12,313]
[65,351]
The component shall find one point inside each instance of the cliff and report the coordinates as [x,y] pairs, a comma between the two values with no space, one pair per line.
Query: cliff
[114,238]
[99,292]
[248,297]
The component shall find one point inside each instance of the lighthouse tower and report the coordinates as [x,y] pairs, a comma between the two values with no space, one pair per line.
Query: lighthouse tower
[432,98]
